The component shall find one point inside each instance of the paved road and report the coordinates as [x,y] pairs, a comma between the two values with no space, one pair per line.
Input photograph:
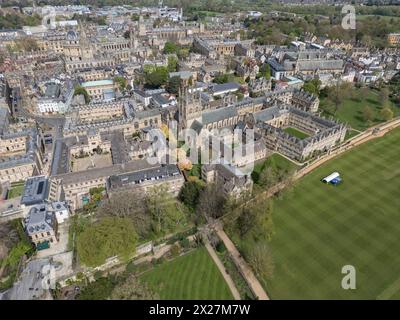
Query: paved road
[242,265]
[227,277]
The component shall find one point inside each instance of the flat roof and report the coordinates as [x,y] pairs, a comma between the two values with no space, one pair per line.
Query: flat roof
[35,190]
[97,83]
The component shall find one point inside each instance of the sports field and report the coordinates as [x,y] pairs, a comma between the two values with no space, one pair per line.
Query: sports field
[320,228]
[192,276]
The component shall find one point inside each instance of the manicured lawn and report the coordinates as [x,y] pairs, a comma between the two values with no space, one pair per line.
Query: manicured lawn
[320,228]
[16,190]
[192,276]
[296,133]
[351,111]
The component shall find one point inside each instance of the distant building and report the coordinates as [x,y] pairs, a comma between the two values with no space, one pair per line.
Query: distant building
[393,39]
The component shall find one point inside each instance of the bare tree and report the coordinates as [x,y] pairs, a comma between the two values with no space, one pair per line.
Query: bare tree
[211,202]
[128,204]
[260,258]
[133,289]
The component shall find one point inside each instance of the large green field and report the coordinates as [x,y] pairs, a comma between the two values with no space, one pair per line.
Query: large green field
[320,228]
[192,276]
[351,112]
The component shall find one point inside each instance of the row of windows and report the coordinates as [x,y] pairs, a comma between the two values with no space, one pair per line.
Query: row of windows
[36,236]
[146,123]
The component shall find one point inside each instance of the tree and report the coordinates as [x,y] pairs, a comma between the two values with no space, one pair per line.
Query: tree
[26,44]
[211,201]
[2,57]
[268,177]
[384,97]
[79,90]
[108,237]
[190,192]
[100,289]
[121,81]
[312,86]
[174,84]
[128,205]
[133,289]
[386,114]
[223,78]
[338,93]
[260,258]
[170,47]
[368,114]
[161,206]
[265,71]
[135,17]
[157,78]
[183,53]
[250,214]
[172,63]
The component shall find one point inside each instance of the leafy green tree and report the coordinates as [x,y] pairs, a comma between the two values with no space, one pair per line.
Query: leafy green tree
[170,47]
[386,114]
[265,71]
[172,63]
[268,177]
[368,114]
[79,90]
[224,78]
[157,78]
[183,53]
[312,86]
[173,84]
[128,205]
[121,81]
[161,206]
[108,237]
[101,289]
[190,193]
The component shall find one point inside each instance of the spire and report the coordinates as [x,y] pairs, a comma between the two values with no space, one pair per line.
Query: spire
[131,36]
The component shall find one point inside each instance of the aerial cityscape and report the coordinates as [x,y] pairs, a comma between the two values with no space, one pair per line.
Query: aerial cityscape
[199,150]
